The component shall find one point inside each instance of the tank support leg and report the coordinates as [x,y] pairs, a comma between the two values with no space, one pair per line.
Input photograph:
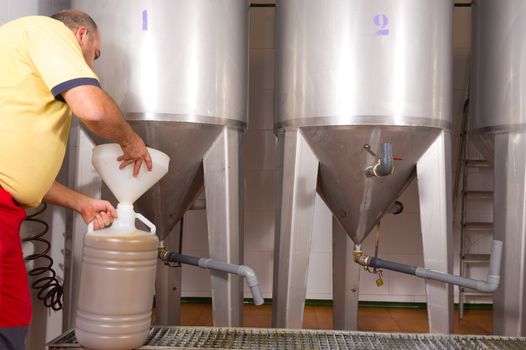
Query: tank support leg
[436,215]
[168,285]
[224,200]
[297,177]
[509,211]
[83,178]
[345,280]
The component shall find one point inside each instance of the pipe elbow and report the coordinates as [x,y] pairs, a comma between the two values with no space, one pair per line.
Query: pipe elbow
[249,274]
[383,168]
[252,282]
[490,285]
[385,163]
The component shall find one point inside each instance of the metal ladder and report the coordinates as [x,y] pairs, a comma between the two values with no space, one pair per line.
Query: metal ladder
[469,196]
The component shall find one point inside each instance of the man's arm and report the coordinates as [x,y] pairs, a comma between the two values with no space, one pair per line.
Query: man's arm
[100,114]
[99,211]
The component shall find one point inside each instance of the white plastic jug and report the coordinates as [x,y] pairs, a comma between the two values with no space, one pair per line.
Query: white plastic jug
[119,263]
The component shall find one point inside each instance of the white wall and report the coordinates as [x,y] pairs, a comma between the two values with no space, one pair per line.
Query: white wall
[401,237]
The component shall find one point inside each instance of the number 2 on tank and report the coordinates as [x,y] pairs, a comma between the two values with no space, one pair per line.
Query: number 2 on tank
[381,21]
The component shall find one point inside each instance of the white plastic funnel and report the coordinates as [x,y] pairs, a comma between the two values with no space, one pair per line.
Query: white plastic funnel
[124,186]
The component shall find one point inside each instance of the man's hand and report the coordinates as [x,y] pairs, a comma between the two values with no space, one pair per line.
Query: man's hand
[99,211]
[135,152]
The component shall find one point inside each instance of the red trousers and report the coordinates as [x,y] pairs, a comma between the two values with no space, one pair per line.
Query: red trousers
[15,299]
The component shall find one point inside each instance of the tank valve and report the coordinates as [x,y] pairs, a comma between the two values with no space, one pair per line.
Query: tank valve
[361,259]
[384,163]
[163,251]
[357,253]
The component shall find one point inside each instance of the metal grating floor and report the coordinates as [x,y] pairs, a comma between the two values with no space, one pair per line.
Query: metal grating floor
[286,339]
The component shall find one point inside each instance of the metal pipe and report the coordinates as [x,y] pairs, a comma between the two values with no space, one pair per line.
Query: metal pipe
[488,286]
[211,264]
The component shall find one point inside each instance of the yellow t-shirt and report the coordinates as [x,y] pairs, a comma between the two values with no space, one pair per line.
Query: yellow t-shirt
[39,59]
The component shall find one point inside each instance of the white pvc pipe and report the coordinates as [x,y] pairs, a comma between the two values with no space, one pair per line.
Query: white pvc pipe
[488,286]
[241,270]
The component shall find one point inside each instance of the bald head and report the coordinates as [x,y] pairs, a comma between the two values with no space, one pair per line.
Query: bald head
[73,19]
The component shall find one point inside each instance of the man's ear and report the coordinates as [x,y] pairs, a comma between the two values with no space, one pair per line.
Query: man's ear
[81,34]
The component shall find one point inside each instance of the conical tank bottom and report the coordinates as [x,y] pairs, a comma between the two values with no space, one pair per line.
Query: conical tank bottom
[124,186]
[186,144]
[356,200]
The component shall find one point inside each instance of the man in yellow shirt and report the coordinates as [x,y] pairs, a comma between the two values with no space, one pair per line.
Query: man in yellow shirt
[45,74]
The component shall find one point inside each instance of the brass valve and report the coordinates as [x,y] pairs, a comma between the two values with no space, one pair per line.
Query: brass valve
[356,254]
[162,251]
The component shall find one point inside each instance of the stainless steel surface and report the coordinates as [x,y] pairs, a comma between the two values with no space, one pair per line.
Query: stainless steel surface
[224,203]
[286,339]
[498,102]
[180,67]
[358,201]
[345,280]
[350,59]
[363,120]
[499,123]
[168,284]
[11,9]
[509,303]
[182,57]
[298,170]
[84,179]
[201,119]
[351,72]
[435,196]
[178,70]
[187,144]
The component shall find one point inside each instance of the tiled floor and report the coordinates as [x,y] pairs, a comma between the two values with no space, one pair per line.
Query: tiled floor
[369,319]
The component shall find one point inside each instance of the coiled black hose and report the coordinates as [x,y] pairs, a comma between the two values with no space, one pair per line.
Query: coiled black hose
[50,291]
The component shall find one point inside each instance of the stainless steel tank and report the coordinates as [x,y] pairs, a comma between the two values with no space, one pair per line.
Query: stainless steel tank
[178,71]
[498,124]
[355,77]
[363,72]
[11,9]
[498,77]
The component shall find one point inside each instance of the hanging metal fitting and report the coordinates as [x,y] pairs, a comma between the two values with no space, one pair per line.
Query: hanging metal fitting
[162,252]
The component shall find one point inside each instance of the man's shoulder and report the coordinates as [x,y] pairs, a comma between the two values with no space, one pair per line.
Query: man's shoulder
[36,23]
[31,21]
